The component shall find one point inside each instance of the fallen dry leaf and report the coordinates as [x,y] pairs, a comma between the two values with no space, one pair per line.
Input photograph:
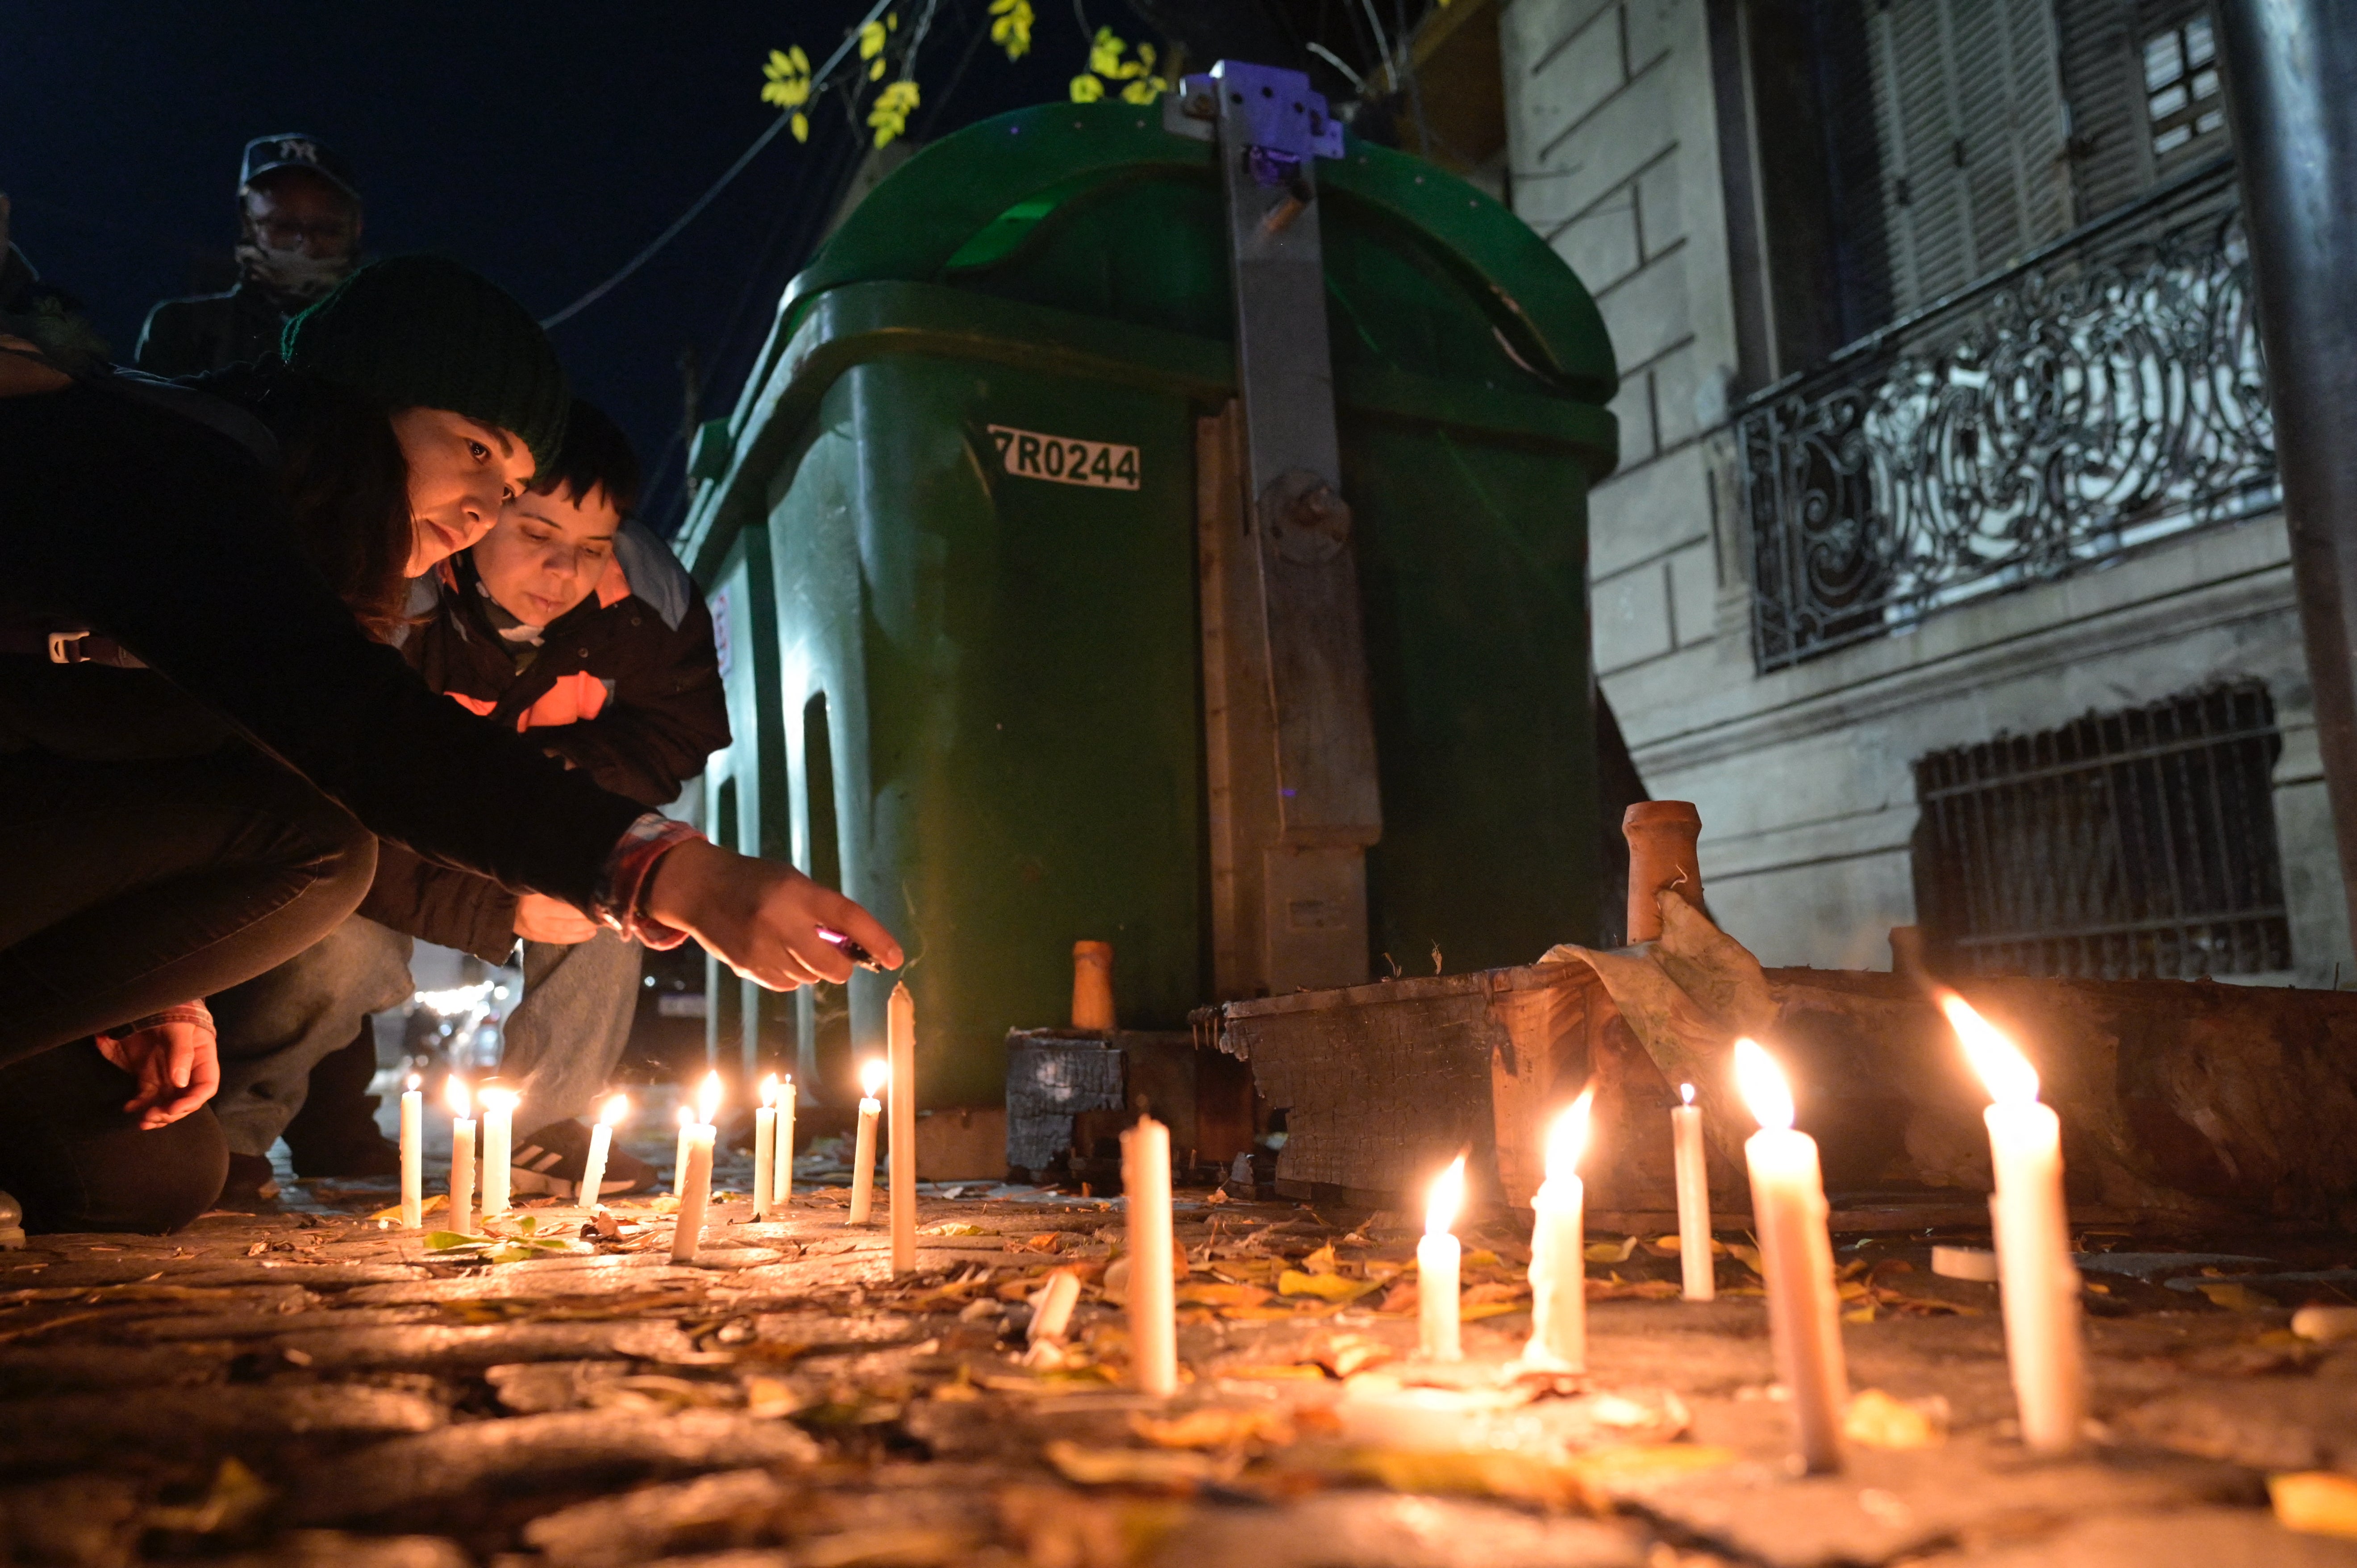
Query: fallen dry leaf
[439,1201]
[1325,1287]
[2315,1502]
[1215,1428]
[1167,1469]
[1321,1261]
[1877,1420]
[1059,1528]
[2234,1297]
[1612,1252]
[1344,1353]
[1198,1292]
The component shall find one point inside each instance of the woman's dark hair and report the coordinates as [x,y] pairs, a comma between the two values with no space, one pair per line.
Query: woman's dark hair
[346,487]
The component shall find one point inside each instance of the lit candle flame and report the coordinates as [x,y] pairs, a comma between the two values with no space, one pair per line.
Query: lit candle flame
[1447,1198]
[707,1099]
[1567,1139]
[1686,1092]
[872,1074]
[454,1091]
[687,1115]
[499,1099]
[2010,1079]
[616,1108]
[770,1091]
[416,1083]
[1763,1086]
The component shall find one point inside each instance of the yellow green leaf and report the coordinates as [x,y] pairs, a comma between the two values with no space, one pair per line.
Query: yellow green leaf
[875,71]
[801,127]
[871,40]
[1144,91]
[1104,53]
[1086,89]
[1010,28]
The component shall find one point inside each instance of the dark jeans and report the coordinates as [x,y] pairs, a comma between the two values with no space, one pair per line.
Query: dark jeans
[126,886]
[561,1044]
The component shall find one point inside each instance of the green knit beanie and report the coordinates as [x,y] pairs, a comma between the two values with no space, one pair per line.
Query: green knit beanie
[427,332]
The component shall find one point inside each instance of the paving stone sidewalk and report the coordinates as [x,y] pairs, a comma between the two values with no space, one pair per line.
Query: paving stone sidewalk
[315,1387]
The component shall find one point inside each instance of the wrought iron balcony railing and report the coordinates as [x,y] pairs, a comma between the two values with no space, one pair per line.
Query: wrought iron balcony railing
[2107,392]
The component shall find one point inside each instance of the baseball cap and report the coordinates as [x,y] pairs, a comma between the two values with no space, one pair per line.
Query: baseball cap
[295,150]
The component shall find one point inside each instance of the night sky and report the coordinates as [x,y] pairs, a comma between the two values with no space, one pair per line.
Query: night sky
[543,142]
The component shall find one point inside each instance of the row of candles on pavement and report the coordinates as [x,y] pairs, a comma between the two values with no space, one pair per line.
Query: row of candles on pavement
[2038,1283]
[773,1143]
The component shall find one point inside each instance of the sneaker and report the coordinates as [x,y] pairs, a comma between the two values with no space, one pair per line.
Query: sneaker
[555,1159]
[250,1182]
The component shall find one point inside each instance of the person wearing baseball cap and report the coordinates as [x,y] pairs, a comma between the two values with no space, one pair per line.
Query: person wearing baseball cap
[299,236]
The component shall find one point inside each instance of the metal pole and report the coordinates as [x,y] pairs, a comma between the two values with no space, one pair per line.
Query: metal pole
[2291,96]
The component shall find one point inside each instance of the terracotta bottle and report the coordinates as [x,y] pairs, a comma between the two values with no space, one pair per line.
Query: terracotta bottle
[1661,836]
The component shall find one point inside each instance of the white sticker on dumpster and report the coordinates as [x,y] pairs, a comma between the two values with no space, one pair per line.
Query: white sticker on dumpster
[1065,459]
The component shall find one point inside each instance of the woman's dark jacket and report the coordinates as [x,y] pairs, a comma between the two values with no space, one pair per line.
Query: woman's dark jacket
[137,511]
[625,686]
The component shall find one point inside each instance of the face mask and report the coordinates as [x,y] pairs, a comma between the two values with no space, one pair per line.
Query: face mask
[291,275]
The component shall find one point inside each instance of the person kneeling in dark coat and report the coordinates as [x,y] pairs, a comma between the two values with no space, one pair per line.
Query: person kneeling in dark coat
[571,623]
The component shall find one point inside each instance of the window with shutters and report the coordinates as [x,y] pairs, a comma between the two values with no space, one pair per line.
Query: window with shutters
[2182,103]
[1969,112]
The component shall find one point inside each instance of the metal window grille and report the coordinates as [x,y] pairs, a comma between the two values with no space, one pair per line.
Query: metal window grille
[2106,393]
[2132,845]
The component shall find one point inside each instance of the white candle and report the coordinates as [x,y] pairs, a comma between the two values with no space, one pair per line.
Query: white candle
[765,1147]
[1796,1253]
[1694,1198]
[2037,1283]
[688,1233]
[679,1152]
[900,1043]
[601,1145]
[413,1155]
[784,1177]
[1153,1298]
[1558,1264]
[695,1195]
[462,1158]
[1436,1259]
[863,1157]
[498,1144]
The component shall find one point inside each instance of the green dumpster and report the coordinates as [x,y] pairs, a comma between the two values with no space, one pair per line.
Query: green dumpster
[955,530]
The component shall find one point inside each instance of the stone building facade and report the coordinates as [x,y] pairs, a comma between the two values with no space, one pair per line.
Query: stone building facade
[1942,568]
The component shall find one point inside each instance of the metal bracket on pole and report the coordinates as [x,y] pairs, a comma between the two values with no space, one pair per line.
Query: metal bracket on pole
[1295,768]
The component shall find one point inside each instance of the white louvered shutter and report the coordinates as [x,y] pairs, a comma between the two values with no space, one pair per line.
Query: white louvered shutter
[1968,106]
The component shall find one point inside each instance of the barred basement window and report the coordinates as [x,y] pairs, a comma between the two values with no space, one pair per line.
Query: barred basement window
[2130,845]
